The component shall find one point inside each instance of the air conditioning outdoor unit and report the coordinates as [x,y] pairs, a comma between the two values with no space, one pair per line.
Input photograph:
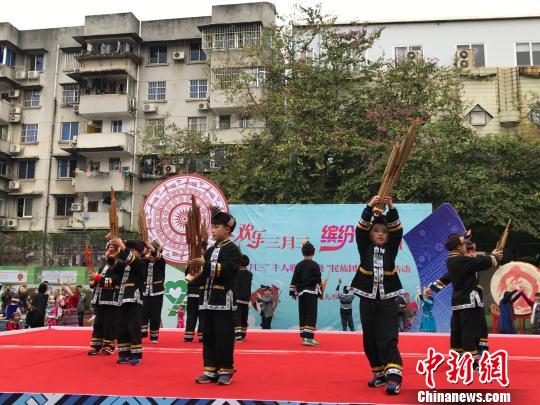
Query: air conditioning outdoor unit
[465,58]
[15,118]
[14,185]
[148,108]
[21,75]
[132,103]
[203,107]
[76,207]
[32,75]
[15,110]
[169,169]
[178,56]
[414,55]
[14,94]
[76,108]
[11,223]
[14,148]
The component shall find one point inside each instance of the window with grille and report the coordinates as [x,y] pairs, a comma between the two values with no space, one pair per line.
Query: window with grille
[197,124]
[71,93]
[226,78]
[31,98]
[198,88]
[231,36]
[156,90]
[245,122]
[479,53]
[70,60]
[29,133]
[155,127]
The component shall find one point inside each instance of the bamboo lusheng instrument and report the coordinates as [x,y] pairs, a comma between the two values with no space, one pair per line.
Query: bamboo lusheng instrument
[398,157]
[501,244]
[324,283]
[196,238]
[143,225]
[113,216]
[88,259]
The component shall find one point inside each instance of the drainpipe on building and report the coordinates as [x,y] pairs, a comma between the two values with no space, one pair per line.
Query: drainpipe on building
[51,151]
[135,137]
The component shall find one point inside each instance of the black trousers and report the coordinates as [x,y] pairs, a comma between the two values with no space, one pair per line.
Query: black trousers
[81,318]
[192,312]
[105,326]
[307,309]
[35,319]
[380,333]
[151,314]
[347,321]
[129,330]
[241,320]
[466,330]
[483,341]
[266,322]
[218,344]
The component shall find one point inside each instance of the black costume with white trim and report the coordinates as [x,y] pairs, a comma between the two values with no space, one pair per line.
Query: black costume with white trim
[154,290]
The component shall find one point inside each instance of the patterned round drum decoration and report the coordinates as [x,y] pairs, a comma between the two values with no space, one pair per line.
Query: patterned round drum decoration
[166,209]
[513,275]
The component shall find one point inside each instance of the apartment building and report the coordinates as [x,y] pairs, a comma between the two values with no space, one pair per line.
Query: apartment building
[74,102]
[502,57]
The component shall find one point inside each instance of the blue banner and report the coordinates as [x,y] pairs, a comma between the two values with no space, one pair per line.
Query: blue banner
[271,236]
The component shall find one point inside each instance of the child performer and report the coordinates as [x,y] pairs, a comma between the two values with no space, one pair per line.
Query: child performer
[220,266]
[428,321]
[377,284]
[154,290]
[242,295]
[306,285]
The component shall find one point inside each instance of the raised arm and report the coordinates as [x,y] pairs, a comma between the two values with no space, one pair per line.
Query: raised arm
[395,229]
[362,229]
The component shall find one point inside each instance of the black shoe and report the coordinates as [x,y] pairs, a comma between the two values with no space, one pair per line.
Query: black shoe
[122,360]
[93,351]
[225,379]
[393,387]
[204,379]
[377,382]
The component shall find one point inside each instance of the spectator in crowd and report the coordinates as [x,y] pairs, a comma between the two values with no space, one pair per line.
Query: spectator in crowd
[345,307]
[5,297]
[535,312]
[70,316]
[36,316]
[506,307]
[15,322]
[81,304]
[267,308]
[22,294]
[12,307]
[181,314]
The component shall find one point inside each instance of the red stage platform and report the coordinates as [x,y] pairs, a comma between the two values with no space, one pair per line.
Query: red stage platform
[272,366]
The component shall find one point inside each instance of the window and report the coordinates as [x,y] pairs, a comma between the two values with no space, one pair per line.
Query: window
[29,133]
[116,126]
[3,168]
[93,206]
[27,169]
[9,57]
[534,114]
[2,207]
[224,121]
[69,130]
[158,54]
[231,36]
[155,127]
[479,53]
[70,61]
[196,53]
[31,98]
[24,207]
[71,93]
[4,132]
[245,122]
[66,168]
[528,53]
[197,124]
[402,52]
[478,117]
[34,62]
[156,90]
[198,88]
[151,166]
[93,166]
[63,206]
[115,164]
[94,127]
[225,78]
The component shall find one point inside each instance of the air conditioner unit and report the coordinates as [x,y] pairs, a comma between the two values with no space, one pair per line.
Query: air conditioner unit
[159,144]
[76,108]
[11,223]
[2,222]
[465,58]
[14,118]
[203,107]
[14,185]
[76,207]
[32,75]
[14,148]
[178,56]
[414,55]
[15,110]
[20,75]
[14,94]
[169,169]
[148,108]
[132,103]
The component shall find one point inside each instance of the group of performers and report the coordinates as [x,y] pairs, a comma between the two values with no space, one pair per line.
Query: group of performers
[128,296]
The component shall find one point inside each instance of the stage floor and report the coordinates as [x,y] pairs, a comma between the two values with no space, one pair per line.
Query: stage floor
[272,366]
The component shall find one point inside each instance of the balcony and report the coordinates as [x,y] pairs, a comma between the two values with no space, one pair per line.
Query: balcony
[121,143]
[109,63]
[7,74]
[5,109]
[223,101]
[4,147]
[105,106]
[96,220]
[101,182]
